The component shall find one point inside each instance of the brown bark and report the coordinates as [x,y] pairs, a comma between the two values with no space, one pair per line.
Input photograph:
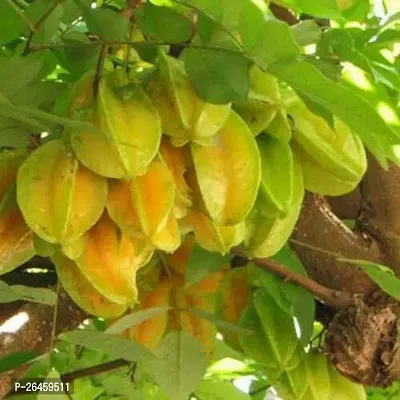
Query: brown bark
[320,228]
[283,14]
[36,333]
[380,213]
[347,206]
[361,340]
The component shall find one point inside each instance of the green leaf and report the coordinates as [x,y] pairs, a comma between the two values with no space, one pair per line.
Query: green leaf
[319,385]
[108,24]
[284,293]
[75,58]
[112,345]
[306,32]
[218,76]
[222,350]
[383,276]
[179,365]
[9,294]
[163,23]
[53,376]
[71,11]
[84,389]
[256,30]
[43,248]
[209,390]
[338,99]
[202,263]
[14,360]
[11,23]
[135,318]
[274,344]
[13,135]
[219,323]
[12,113]
[39,94]
[343,388]
[304,305]
[19,72]
[211,8]
[292,385]
[321,8]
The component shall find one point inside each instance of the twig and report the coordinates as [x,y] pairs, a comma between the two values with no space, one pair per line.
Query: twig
[39,23]
[96,369]
[334,298]
[99,70]
[20,13]
[134,43]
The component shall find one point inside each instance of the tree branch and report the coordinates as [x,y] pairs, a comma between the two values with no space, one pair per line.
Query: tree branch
[380,217]
[319,229]
[347,206]
[334,298]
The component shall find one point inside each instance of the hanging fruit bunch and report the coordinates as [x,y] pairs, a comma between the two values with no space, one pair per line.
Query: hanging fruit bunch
[119,205]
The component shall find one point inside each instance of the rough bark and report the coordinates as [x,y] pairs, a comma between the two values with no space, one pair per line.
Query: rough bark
[361,340]
[37,332]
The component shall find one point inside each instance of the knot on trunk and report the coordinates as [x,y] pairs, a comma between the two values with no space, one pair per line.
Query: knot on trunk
[361,340]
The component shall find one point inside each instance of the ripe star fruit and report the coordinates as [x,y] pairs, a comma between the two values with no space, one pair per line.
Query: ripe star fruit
[143,206]
[199,327]
[109,260]
[81,290]
[228,172]
[201,296]
[333,158]
[178,161]
[212,236]
[126,129]
[233,296]
[59,198]
[16,239]
[185,116]
[150,332]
